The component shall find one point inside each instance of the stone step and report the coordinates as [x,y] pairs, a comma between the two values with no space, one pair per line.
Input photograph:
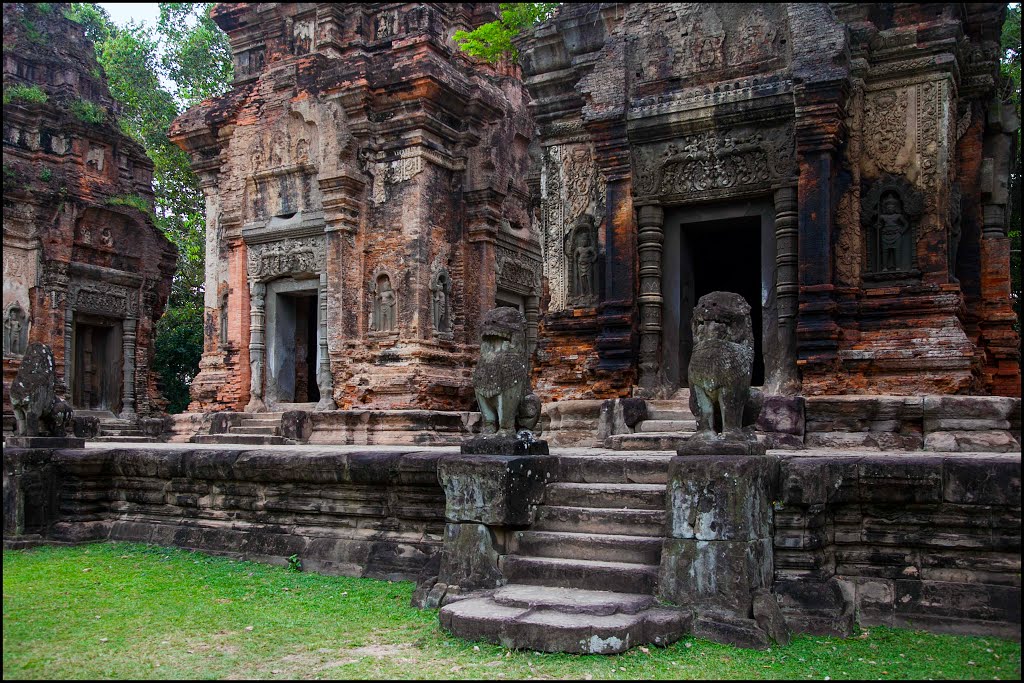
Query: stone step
[121,432]
[245,439]
[600,521]
[249,429]
[657,441]
[614,469]
[572,600]
[674,414]
[106,438]
[646,441]
[601,547]
[620,577]
[680,425]
[632,496]
[260,421]
[556,620]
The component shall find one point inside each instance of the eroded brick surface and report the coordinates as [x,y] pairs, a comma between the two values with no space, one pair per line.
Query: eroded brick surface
[86,271]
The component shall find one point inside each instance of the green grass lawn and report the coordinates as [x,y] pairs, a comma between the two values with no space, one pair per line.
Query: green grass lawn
[133,611]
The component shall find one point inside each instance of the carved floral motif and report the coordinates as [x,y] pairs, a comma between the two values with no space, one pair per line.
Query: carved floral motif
[885,119]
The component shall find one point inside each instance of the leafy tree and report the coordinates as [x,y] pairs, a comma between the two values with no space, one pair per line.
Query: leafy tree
[1010,67]
[155,74]
[492,42]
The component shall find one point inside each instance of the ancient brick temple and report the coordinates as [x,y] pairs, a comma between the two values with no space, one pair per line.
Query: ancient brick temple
[85,268]
[843,166]
[366,204]
[372,191]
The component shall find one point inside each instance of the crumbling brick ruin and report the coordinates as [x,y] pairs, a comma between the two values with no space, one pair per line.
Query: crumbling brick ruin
[366,204]
[85,269]
[842,166]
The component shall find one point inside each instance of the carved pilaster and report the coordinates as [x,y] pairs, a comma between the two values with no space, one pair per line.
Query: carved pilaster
[532,319]
[787,287]
[128,390]
[650,219]
[325,382]
[257,346]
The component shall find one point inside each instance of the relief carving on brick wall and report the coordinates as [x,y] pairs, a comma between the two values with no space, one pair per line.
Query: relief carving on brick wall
[885,126]
[440,295]
[571,187]
[890,212]
[384,305]
[15,330]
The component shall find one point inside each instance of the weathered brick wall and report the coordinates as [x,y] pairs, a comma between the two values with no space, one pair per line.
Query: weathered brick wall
[79,232]
[376,514]
[398,158]
[922,541]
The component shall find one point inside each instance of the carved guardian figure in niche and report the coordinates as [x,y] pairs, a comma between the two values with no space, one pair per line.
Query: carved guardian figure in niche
[501,379]
[440,298]
[15,331]
[720,369]
[890,210]
[384,305]
[582,250]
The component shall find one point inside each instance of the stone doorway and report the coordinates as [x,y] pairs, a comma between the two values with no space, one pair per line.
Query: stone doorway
[293,341]
[97,372]
[726,248]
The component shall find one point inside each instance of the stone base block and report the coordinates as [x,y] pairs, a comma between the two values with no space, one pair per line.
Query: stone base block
[492,444]
[469,559]
[721,497]
[702,444]
[991,441]
[44,442]
[498,490]
[730,630]
[717,575]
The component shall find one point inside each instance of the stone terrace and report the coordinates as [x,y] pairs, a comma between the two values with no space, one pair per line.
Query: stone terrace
[897,538]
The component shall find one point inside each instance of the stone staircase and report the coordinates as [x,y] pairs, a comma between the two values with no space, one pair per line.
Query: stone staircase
[257,429]
[582,579]
[121,431]
[112,429]
[668,422]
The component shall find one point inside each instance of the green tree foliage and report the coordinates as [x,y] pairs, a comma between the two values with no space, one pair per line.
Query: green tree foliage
[1010,66]
[156,73]
[492,42]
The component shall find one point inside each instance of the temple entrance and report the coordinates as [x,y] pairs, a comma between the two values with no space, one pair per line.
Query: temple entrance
[728,249]
[97,372]
[293,326]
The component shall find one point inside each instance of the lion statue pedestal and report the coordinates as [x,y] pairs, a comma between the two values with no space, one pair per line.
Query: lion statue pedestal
[721,398]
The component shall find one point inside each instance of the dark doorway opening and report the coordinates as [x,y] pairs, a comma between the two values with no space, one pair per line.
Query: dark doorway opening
[721,255]
[97,375]
[306,388]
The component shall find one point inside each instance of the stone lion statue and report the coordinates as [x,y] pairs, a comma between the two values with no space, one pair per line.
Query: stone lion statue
[501,379]
[721,397]
[38,411]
